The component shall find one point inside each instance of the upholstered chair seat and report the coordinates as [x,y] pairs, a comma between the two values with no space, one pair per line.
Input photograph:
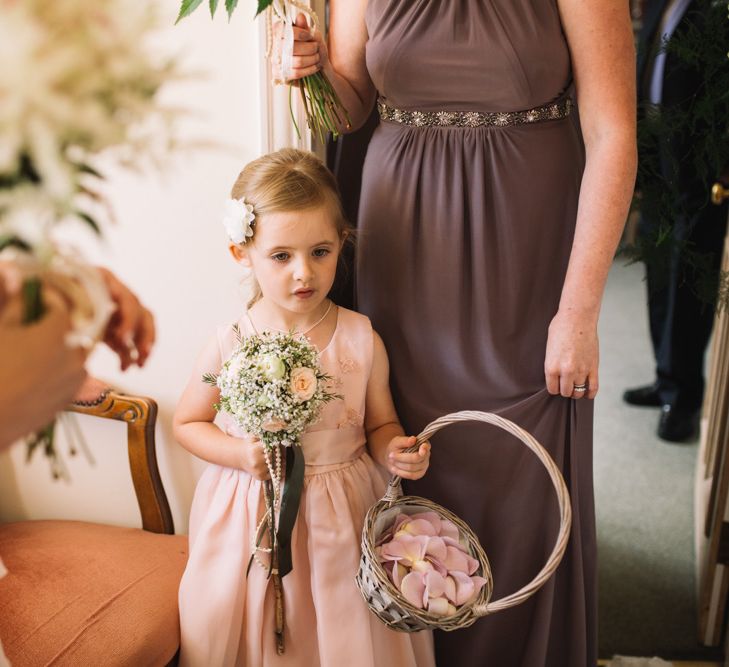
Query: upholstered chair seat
[80,594]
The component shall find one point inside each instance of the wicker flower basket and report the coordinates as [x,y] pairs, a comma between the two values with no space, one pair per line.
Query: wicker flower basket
[386,601]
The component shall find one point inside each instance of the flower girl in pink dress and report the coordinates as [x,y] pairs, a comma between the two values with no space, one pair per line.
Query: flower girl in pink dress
[286,228]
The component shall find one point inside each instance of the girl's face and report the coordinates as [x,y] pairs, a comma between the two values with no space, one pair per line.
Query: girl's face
[294,257]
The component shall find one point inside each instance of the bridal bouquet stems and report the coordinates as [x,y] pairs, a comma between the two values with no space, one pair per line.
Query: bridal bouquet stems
[323,108]
[273,387]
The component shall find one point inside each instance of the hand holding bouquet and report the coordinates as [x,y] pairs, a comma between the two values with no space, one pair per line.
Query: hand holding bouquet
[322,106]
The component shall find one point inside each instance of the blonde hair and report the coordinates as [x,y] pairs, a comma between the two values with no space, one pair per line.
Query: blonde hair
[288,180]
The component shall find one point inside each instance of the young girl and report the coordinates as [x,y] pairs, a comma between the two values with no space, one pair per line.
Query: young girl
[287,229]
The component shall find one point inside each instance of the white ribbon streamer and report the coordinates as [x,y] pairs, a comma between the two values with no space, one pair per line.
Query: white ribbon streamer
[287,48]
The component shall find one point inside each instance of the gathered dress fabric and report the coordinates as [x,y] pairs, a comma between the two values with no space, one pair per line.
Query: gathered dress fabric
[226,617]
[464,240]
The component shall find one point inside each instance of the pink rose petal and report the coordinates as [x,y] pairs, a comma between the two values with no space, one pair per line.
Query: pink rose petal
[462,562]
[400,519]
[455,560]
[437,565]
[395,549]
[449,529]
[454,543]
[432,517]
[473,565]
[436,548]
[478,584]
[450,588]
[434,584]
[422,566]
[419,527]
[398,573]
[464,588]
[406,548]
[438,606]
[412,588]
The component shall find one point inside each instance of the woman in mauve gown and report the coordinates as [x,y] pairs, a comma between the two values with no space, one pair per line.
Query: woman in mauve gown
[485,238]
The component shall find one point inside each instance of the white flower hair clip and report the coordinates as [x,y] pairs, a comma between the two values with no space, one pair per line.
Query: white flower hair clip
[238,220]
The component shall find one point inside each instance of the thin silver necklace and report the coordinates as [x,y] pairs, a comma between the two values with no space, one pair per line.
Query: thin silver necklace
[296,333]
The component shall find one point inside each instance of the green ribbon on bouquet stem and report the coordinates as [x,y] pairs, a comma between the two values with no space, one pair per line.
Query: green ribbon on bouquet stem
[290,501]
[280,536]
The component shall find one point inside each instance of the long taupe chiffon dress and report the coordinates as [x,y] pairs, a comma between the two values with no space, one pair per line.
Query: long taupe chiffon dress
[465,235]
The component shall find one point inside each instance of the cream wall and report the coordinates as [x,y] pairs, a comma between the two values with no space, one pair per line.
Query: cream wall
[169,247]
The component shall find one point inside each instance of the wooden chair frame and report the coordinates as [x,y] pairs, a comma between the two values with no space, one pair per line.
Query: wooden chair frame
[140,415]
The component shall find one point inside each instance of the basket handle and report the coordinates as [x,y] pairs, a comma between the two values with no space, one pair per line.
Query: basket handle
[394,491]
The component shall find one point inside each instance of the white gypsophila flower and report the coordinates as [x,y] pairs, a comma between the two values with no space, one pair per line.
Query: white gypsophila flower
[238,220]
[82,81]
[27,214]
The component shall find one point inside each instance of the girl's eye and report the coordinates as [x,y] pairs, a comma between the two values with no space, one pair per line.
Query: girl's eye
[280,256]
[321,252]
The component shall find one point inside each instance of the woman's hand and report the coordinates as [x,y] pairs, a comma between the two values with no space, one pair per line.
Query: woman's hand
[571,359]
[309,52]
[39,374]
[253,460]
[130,332]
[402,464]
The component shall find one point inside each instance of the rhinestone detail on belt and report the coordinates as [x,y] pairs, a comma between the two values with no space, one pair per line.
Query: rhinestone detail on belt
[552,111]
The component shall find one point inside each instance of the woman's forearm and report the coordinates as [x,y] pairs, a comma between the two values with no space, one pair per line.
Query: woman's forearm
[605,195]
[358,106]
[344,62]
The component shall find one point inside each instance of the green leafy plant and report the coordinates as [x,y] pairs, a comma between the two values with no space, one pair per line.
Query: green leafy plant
[697,134]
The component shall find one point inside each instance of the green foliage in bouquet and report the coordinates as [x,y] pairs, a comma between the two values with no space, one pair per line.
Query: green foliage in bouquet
[698,134]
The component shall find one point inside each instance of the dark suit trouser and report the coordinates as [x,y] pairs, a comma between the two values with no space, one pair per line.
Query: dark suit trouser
[680,319]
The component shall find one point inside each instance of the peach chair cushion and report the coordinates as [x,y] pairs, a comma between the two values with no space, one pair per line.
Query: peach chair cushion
[89,594]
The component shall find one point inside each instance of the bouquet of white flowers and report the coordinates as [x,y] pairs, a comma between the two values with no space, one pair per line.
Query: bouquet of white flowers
[273,387]
[79,81]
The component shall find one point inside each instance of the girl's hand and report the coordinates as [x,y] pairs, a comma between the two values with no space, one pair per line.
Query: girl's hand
[253,460]
[309,55]
[402,464]
[572,356]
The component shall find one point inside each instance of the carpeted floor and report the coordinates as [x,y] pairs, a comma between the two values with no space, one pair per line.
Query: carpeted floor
[644,497]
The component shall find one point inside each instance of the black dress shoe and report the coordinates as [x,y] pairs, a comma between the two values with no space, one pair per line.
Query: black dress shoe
[677,425]
[646,396]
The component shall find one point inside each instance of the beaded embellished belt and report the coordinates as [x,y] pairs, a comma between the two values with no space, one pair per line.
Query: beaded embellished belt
[552,111]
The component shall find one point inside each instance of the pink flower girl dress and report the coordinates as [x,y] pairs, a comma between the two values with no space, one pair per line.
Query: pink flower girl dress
[226,617]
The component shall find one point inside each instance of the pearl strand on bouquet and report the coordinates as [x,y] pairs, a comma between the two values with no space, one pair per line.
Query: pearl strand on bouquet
[274,470]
